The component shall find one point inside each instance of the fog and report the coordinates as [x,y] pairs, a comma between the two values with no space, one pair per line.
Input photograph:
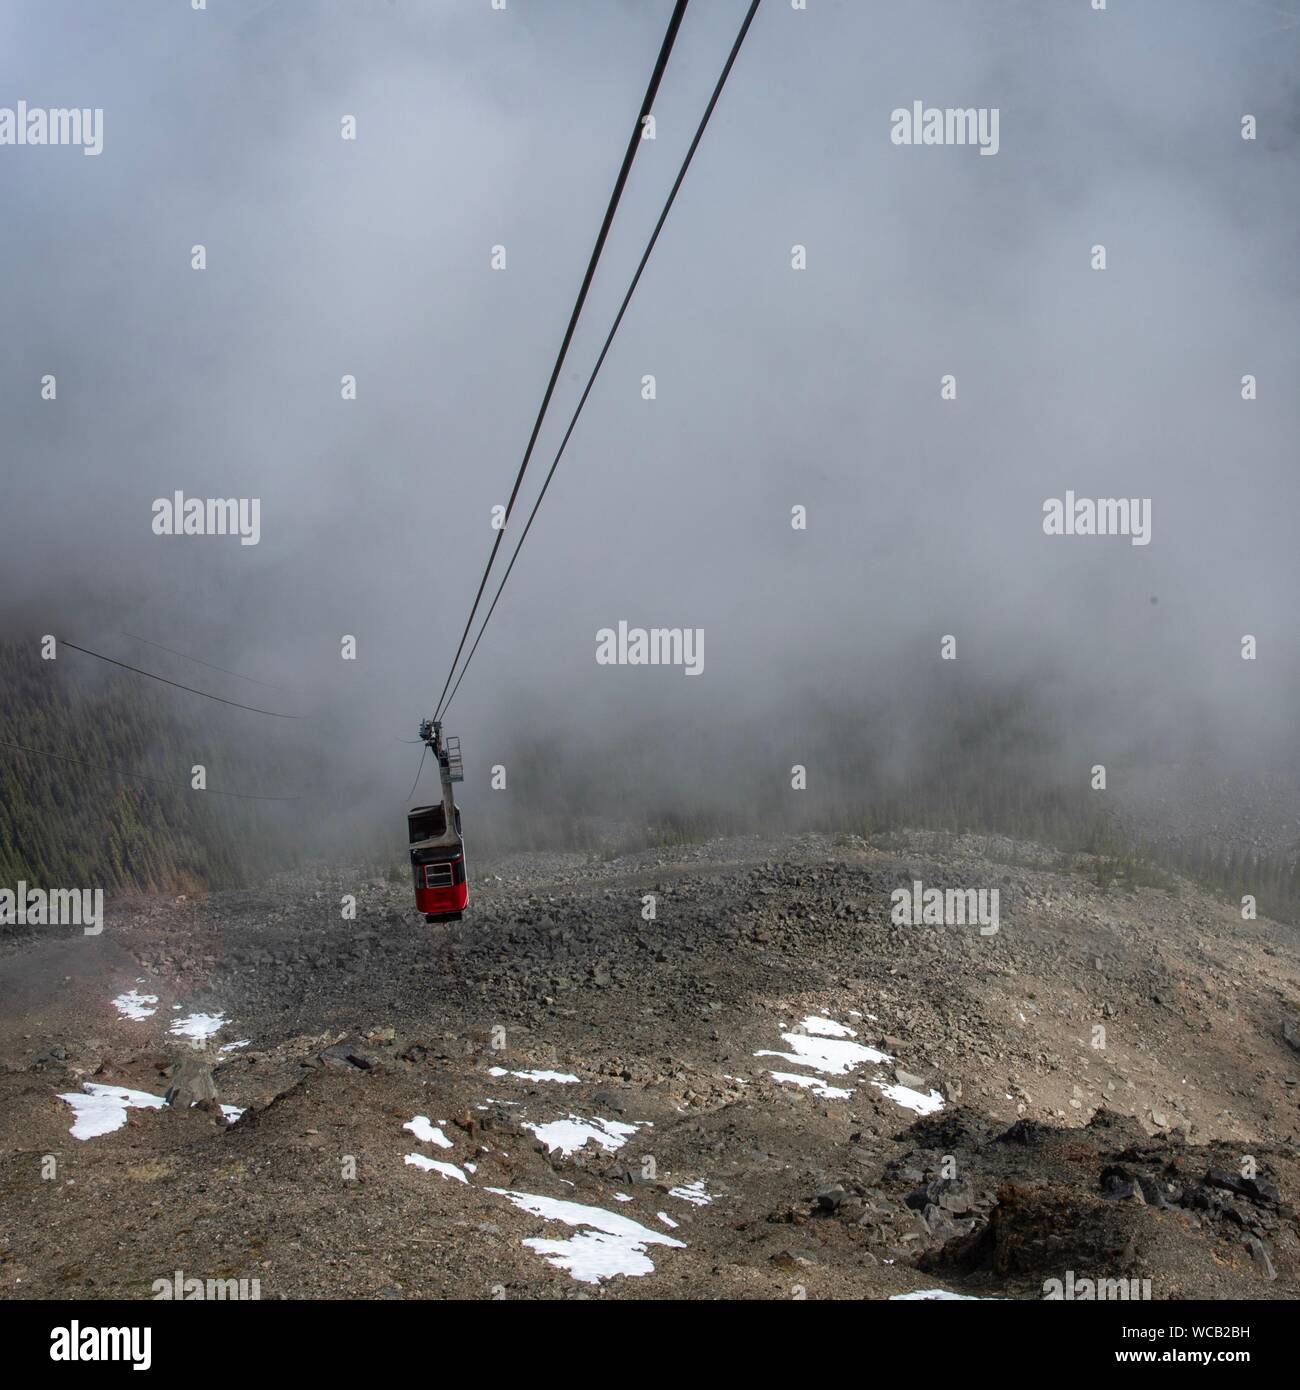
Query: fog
[775,387]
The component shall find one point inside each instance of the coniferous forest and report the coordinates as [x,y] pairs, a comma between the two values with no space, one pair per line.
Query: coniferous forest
[79,824]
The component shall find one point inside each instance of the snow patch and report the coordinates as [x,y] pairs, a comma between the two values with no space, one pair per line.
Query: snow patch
[426,1132]
[606,1245]
[434,1165]
[831,1056]
[910,1099]
[570,1134]
[825,1027]
[198,1028]
[811,1083]
[693,1193]
[135,1005]
[837,1056]
[934,1296]
[563,1077]
[103,1108]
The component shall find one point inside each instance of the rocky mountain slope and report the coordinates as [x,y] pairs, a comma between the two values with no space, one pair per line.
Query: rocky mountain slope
[767,1089]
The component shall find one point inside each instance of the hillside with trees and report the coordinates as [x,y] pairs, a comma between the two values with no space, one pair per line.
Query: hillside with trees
[106,800]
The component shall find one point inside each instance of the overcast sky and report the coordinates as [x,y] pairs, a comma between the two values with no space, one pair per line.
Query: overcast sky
[775,387]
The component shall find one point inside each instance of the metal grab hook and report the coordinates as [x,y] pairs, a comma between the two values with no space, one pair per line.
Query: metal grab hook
[447,752]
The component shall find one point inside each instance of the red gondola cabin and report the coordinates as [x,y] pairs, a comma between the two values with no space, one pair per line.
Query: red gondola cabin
[438,863]
[437,849]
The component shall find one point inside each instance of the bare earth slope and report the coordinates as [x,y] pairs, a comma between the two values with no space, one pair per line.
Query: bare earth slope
[752,1066]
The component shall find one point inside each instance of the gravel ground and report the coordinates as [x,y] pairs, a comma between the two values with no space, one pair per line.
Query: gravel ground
[767,1090]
